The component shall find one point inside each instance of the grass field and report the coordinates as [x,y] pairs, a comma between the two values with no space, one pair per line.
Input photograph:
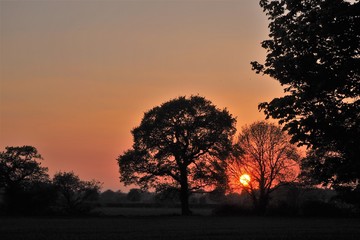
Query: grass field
[177,227]
[148,211]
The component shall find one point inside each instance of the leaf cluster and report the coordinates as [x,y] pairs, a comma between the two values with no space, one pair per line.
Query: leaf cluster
[183,138]
[314,52]
[19,167]
[74,192]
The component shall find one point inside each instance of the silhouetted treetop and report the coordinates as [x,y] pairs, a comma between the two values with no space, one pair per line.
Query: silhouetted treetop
[20,166]
[314,52]
[26,184]
[181,144]
[268,158]
[74,193]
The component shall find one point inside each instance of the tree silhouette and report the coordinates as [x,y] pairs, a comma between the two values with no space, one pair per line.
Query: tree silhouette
[74,194]
[25,182]
[134,195]
[313,51]
[20,166]
[181,144]
[267,157]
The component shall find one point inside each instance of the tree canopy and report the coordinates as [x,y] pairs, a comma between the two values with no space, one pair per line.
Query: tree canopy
[267,158]
[26,184]
[29,190]
[74,193]
[314,52]
[181,144]
[20,166]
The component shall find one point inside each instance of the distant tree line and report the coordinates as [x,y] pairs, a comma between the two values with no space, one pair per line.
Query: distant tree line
[27,188]
[292,199]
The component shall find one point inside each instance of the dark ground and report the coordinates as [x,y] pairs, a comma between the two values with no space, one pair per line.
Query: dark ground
[177,227]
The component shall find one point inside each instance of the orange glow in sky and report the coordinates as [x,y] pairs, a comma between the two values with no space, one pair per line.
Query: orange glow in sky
[77,76]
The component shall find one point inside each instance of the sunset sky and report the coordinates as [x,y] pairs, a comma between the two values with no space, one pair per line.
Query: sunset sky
[77,76]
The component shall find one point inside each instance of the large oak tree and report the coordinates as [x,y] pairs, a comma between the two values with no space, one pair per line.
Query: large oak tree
[182,145]
[314,52]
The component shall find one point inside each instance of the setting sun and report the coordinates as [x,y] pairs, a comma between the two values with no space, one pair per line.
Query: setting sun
[245,179]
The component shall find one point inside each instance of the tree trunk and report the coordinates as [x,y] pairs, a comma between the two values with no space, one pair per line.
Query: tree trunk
[262,204]
[262,201]
[184,193]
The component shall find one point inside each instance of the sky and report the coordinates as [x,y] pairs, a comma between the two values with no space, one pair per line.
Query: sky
[77,76]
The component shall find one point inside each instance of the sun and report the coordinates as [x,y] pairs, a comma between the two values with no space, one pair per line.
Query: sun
[245,179]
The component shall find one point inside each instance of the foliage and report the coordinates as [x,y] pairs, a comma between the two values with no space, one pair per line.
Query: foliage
[74,194]
[313,51]
[134,195]
[110,196]
[24,181]
[267,157]
[181,144]
[19,167]
[29,191]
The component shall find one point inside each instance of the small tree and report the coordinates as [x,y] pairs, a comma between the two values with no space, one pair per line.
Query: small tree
[24,180]
[182,144]
[20,166]
[75,194]
[268,159]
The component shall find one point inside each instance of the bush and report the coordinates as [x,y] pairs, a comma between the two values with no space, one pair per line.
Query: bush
[75,196]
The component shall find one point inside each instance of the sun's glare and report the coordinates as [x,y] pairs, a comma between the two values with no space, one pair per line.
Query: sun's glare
[245,179]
